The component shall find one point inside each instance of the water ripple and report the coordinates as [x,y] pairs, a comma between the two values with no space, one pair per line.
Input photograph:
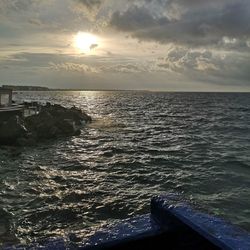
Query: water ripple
[139,144]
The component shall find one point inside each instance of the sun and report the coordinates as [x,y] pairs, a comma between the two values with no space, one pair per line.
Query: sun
[85,42]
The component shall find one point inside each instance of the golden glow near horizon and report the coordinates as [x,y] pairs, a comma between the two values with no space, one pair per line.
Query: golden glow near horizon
[85,42]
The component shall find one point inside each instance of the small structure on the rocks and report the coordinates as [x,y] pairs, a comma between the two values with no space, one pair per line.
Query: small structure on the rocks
[5,97]
[7,108]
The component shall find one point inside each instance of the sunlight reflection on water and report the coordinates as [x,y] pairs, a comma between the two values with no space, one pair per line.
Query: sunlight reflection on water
[139,144]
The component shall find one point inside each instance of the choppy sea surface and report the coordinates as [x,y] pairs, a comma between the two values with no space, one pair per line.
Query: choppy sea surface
[140,144]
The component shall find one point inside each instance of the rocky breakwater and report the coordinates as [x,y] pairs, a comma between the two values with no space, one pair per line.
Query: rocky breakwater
[52,121]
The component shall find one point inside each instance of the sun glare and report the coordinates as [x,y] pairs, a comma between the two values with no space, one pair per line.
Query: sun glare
[85,42]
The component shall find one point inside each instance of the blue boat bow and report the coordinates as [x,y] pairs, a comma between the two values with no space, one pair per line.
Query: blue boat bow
[172,224]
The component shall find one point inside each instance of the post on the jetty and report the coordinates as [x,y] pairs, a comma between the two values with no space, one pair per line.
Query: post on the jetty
[5,97]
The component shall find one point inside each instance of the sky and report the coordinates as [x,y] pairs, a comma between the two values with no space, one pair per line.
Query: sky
[161,45]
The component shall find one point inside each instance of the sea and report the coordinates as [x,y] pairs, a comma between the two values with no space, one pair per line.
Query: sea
[140,144]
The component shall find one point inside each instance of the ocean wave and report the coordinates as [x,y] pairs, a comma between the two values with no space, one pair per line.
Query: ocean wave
[140,144]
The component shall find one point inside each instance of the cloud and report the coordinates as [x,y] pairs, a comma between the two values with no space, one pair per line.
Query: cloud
[124,68]
[93,46]
[68,62]
[35,21]
[19,7]
[90,4]
[90,8]
[73,67]
[7,6]
[202,64]
[198,40]
[181,59]
[207,64]
[200,24]
[84,68]
[135,19]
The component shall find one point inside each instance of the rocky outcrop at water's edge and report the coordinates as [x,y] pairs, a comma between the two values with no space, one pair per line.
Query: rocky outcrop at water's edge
[52,121]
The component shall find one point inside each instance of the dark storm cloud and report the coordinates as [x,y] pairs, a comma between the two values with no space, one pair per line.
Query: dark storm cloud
[136,19]
[198,23]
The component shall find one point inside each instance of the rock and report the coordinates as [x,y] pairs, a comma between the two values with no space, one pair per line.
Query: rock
[68,127]
[63,113]
[53,121]
[42,125]
[11,130]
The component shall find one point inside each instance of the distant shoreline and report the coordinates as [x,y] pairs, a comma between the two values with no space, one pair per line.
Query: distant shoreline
[21,88]
[130,90]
